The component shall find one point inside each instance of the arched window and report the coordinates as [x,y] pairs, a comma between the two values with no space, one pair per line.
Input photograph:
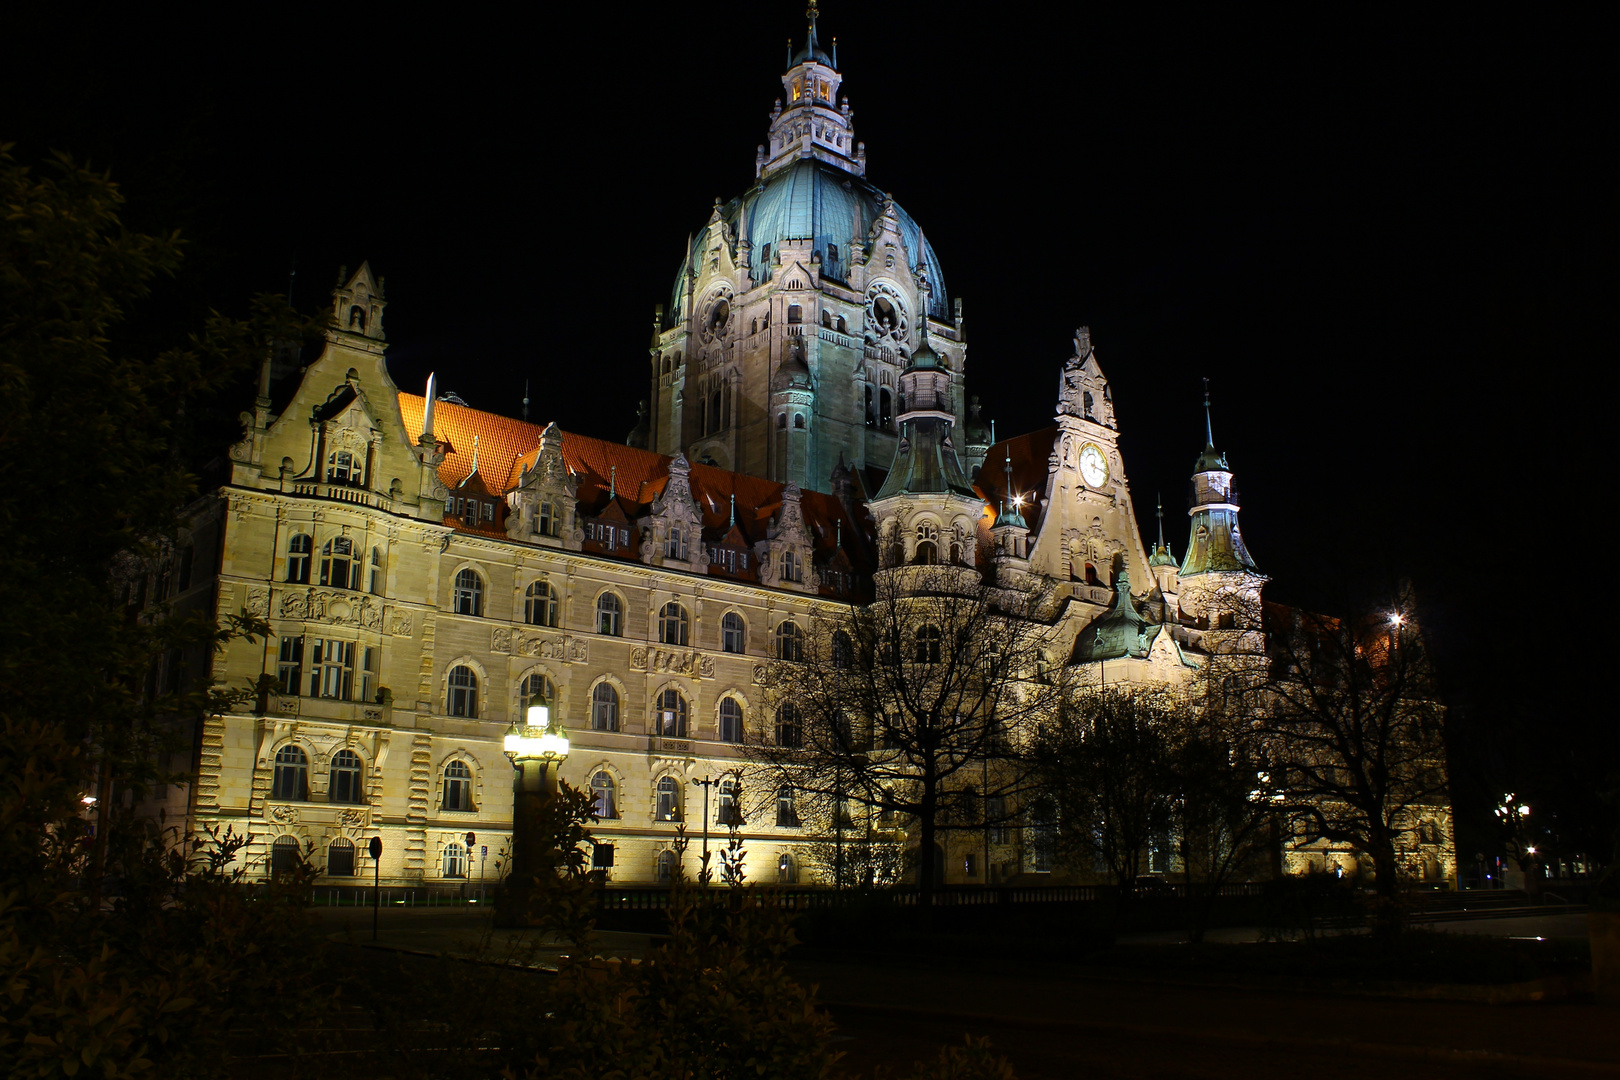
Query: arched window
[927,551]
[664,866]
[669,799]
[781,421]
[540,604]
[671,719]
[786,872]
[789,730]
[347,777]
[928,639]
[787,815]
[291,780]
[463,692]
[298,552]
[339,568]
[789,641]
[843,326]
[795,313]
[672,624]
[469,594]
[457,787]
[283,855]
[733,632]
[342,467]
[340,858]
[536,684]
[604,708]
[455,860]
[885,409]
[727,811]
[798,421]
[843,651]
[604,804]
[609,615]
[675,545]
[731,720]
[376,572]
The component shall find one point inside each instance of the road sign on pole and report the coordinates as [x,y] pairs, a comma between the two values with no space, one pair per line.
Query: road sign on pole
[376,882]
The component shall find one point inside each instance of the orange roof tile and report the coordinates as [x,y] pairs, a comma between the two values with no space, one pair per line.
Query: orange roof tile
[1030,454]
[506,447]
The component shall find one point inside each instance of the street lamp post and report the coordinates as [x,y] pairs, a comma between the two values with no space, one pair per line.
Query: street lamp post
[706,783]
[536,749]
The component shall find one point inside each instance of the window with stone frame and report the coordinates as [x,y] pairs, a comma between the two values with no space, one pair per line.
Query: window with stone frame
[299,550]
[536,684]
[347,779]
[670,721]
[331,664]
[675,543]
[290,665]
[673,624]
[609,615]
[458,787]
[604,707]
[340,566]
[731,720]
[468,597]
[604,797]
[290,780]
[733,633]
[789,642]
[664,867]
[548,519]
[377,575]
[727,812]
[463,695]
[540,604]
[789,728]
[340,858]
[669,799]
[455,860]
[787,814]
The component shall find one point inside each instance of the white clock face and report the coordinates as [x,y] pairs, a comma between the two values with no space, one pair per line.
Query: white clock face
[1093,466]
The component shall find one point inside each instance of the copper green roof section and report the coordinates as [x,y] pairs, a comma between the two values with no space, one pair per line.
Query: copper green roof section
[925,462]
[1216,545]
[1121,631]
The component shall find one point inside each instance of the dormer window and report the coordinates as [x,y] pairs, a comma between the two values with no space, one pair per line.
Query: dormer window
[675,547]
[342,468]
[548,522]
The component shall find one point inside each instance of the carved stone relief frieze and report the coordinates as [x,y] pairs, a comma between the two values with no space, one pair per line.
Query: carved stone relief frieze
[258,603]
[563,648]
[500,639]
[675,662]
[399,622]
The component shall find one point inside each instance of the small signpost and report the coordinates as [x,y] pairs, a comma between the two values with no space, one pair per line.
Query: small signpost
[472,838]
[376,886]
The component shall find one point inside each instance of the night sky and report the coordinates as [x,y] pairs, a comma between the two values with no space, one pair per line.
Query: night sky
[1375,233]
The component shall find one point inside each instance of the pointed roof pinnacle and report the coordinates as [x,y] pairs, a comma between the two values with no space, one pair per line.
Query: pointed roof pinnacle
[427,407]
[1211,460]
[733,509]
[1209,426]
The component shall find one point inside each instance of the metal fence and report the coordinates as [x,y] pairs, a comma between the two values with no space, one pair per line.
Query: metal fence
[654,898]
[425,896]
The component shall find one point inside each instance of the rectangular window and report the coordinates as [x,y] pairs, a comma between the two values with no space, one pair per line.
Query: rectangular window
[291,660]
[332,669]
[368,673]
[545,523]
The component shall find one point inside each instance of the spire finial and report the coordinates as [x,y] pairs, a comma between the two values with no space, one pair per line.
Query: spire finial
[613,483]
[1161,520]
[475,455]
[427,408]
[525,401]
[1209,427]
[733,509]
[789,55]
[1007,488]
[840,523]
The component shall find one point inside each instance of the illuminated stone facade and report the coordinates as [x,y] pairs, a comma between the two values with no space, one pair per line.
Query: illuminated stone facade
[423,566]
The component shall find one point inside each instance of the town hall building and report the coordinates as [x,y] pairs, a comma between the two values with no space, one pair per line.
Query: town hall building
[426,568]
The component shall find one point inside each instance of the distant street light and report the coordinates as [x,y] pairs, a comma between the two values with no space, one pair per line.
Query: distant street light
[536,749]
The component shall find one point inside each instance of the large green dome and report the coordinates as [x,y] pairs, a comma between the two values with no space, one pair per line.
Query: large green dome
[813,199]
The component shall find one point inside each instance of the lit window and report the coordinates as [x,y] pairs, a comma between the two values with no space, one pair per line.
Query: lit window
[331,669]
[603,803]
[540,604]
[605,708]
[291,779]
[671,718]
[664,866]
[469,593]
[732,632]
[609,615]
[672,624]
[346,778]
[669,799]
[786,872]
[298,552]
[457,787]
[463,692]
[731,720]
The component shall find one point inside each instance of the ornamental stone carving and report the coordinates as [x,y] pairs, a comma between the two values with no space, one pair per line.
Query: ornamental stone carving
[295,605]
[258,603]
[500,639]
[284,814]
[672,661]
[563,648]
[399,623]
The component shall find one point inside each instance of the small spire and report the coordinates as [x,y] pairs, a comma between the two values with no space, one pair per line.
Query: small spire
[613,484]
[427,408]
[475,455]
[1161,520]
[789,55]
[839,522]
[1006,489]
[525,401]
[733,509]
[835,54]
[1209,428]
[992,433]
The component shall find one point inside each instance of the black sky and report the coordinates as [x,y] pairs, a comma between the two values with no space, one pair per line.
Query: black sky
[1376,232]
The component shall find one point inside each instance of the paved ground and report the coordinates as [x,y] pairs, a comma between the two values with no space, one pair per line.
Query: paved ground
[1054,1022]
[1542,926]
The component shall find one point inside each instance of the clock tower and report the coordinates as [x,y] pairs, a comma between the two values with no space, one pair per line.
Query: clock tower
[1219,583]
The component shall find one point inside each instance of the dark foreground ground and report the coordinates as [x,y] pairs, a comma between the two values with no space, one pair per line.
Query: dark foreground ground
[1054,1020]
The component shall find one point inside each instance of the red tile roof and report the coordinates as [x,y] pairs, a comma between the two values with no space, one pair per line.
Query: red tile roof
[1030,454]
[635,477]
